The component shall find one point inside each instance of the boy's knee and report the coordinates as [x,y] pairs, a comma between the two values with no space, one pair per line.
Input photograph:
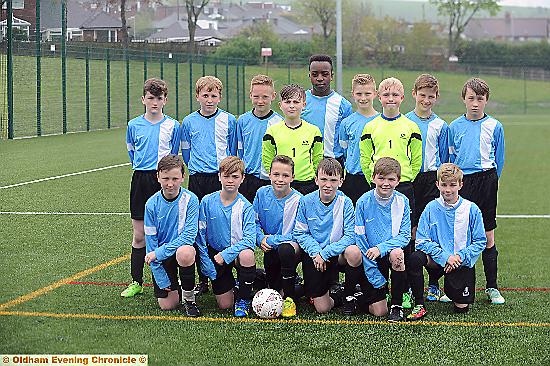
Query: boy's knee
[416,261]
[397,259]
[185,255]
[353,255]
[286,252]
[246,258]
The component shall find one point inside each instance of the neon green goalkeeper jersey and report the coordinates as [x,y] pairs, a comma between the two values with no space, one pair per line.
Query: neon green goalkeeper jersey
[304,144]
[398,138]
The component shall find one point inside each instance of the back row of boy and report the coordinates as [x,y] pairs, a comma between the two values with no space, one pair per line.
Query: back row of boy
[358,140]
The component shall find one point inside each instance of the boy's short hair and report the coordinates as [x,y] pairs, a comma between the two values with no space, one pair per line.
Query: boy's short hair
[362,79]
[389,82]
[426,81]
[387,165]
[261,80]
[293,91]
[449,172]
[320,58]
[210,83]
[330,166]
[230,165]
[283,159]
[479,86]
[170,162]
[156,87]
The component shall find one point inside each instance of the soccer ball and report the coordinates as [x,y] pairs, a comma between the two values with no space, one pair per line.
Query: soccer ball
[267,303]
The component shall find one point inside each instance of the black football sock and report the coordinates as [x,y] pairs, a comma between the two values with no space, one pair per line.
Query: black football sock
[398,286]
[246,280]
[489,257]
[417,261]
[137,261]
[353,274]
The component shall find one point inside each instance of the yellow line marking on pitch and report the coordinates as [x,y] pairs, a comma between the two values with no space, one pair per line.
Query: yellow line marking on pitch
[277,321]
[62,282]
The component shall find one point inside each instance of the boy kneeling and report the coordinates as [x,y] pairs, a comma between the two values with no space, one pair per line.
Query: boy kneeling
[171,224]
[451,237]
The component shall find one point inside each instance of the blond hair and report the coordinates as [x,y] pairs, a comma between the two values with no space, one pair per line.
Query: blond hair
[449,172]
[389,82]
[261,80]
[230,165]
[210,83]
[362,79]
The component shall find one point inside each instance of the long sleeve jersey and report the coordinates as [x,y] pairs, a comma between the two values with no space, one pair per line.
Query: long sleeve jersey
[250,133]
[350,135]
[398,138]
[327,113]
[303,144]
[386,226]
[275,217]
[226,229]
[324,230]
[435,144]
[478,145]
[148,142]
[206,141]
[445,230]
[168,225]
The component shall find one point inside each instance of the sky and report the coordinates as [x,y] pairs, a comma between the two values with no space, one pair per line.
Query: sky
[525,3]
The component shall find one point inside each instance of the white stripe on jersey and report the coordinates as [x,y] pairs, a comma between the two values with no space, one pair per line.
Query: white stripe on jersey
[432,145]
[221,128]
[202,225]
[165,136]
[301,226]
[486,143]
[337,220]
[182,207]
[360,230]
[397,211]
[237,221]
[289,213]
[331,117]
[461,224]
[185,145]
[130,147]
[150,230]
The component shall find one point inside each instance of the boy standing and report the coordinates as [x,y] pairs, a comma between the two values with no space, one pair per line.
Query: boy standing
[435,151]
[476,145]
[450,237]
[295,138]
[171,225]
[276,207]
[363,89]
[149,137]
[251,128]
[324,229]
[325,108]
[227,236]
[207,137]
[383,229]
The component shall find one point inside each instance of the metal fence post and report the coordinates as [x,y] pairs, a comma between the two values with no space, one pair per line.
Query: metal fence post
[177,86]
[127,62]
[87,89]
[144,65]
[238,85]
[38,41]
[190,62]
[64,61]
[227,85]
[108,77]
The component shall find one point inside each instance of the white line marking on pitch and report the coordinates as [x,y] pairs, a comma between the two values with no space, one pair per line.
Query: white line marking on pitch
[64,176]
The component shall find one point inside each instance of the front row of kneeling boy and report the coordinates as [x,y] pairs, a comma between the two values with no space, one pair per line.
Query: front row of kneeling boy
[321,230]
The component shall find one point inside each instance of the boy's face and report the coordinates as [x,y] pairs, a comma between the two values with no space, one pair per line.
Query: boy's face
[292,107]
[385,184]
[170,182]
[449,190]
[391,99]
[261,97]
[475,104]
[281,176]
[153,104]
[320,74]
[364,95]
[328,186]
[231,182]
[425,99]
[209,100]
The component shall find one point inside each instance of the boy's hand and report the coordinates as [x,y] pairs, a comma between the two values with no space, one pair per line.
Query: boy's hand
[264,246]
[453,263]
[373,253]
[219,259]
[319,263]
[150,257]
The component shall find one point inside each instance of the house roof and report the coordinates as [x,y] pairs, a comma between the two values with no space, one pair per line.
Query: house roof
[508,27]
[77,16]
[178,30]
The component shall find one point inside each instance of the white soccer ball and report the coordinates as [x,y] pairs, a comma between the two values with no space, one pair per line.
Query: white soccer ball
[267,303]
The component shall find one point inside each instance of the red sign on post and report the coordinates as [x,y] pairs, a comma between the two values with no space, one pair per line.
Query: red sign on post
[266,51]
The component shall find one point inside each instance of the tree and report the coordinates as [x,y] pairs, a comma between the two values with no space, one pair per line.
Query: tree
[323,11]
[460,12]
[194,9]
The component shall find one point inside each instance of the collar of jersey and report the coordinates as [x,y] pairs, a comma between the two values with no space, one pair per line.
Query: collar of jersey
[390,119]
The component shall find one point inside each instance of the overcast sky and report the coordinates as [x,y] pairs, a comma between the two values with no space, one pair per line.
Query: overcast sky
[543,3]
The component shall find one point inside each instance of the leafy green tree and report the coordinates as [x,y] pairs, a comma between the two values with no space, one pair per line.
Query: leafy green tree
[459,13]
